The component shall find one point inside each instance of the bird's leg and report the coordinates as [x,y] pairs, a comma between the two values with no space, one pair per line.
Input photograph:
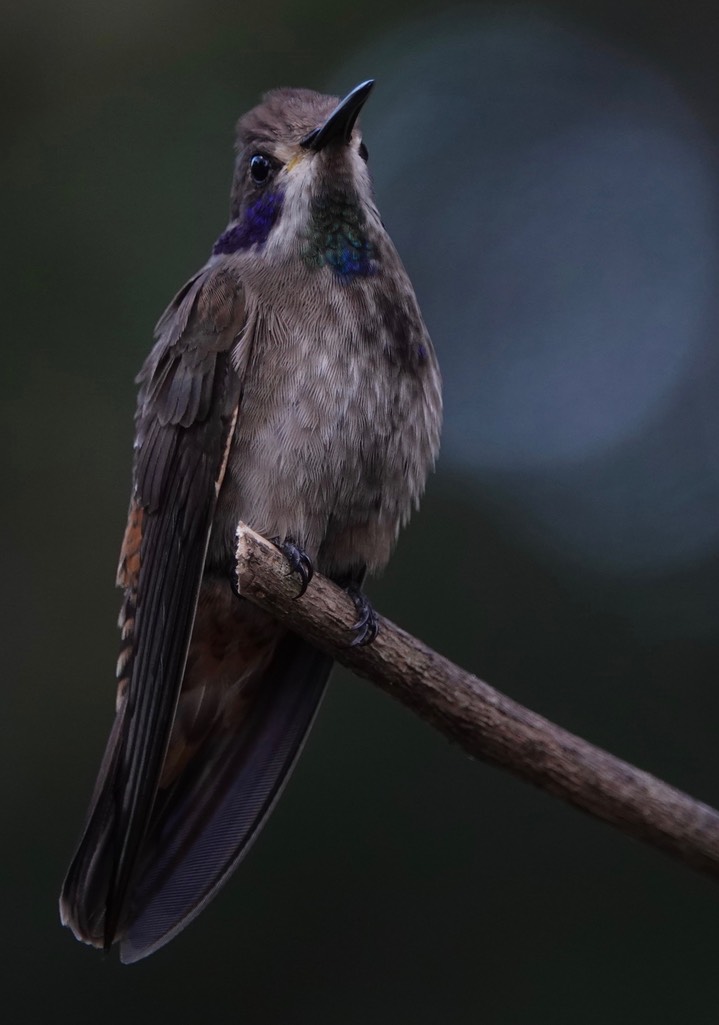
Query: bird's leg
[299,560]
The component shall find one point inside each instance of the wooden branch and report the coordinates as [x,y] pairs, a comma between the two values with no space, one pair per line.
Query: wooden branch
[484,722]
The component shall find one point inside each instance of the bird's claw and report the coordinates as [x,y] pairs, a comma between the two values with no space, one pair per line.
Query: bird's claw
[366,628]
[299,560]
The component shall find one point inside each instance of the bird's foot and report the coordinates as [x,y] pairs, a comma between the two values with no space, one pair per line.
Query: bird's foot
[299,560]
[366,628]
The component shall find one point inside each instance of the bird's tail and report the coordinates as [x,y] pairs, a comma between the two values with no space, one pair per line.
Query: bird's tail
[205,822]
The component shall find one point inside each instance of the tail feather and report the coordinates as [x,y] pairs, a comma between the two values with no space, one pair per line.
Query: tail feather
[206,821]
[84,892]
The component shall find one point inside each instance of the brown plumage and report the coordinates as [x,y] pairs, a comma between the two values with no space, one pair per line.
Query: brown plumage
[292,386]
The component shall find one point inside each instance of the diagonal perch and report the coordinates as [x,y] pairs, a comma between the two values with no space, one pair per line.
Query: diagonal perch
[484,722]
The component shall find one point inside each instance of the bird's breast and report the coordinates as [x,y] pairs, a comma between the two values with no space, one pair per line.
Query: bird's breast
[326,438]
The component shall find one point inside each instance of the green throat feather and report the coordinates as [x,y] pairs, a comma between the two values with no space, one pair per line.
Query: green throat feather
[338,236]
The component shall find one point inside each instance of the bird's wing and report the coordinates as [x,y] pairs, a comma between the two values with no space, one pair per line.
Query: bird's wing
[187,408]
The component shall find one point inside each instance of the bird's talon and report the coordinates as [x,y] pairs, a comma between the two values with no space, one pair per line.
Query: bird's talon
[299,561]
[366,627]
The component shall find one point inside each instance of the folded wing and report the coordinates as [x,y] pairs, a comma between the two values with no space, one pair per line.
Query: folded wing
[188,405]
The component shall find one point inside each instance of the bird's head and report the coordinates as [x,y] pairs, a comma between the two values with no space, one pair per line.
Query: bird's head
[301,187]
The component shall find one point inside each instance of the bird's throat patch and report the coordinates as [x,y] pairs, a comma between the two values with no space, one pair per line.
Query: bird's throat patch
[257,222]
[338,236]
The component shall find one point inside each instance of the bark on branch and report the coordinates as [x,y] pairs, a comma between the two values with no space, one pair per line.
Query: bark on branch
[484,722]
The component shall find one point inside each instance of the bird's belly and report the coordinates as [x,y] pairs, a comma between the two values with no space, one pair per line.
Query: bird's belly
[290,477]
[311,465]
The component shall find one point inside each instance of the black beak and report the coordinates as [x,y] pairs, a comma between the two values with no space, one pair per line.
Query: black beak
[338,126]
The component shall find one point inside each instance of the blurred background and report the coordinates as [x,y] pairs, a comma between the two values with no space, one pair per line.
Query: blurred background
[549,174]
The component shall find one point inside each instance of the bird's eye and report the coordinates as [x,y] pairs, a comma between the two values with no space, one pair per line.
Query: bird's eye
[260,167]
[363,152]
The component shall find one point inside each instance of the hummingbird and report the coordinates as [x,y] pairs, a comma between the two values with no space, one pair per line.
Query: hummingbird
[293,386]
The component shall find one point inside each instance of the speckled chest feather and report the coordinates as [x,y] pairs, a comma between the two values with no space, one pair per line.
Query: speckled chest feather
[336,428]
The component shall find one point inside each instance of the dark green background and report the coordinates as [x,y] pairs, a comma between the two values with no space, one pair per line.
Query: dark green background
[397,880]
